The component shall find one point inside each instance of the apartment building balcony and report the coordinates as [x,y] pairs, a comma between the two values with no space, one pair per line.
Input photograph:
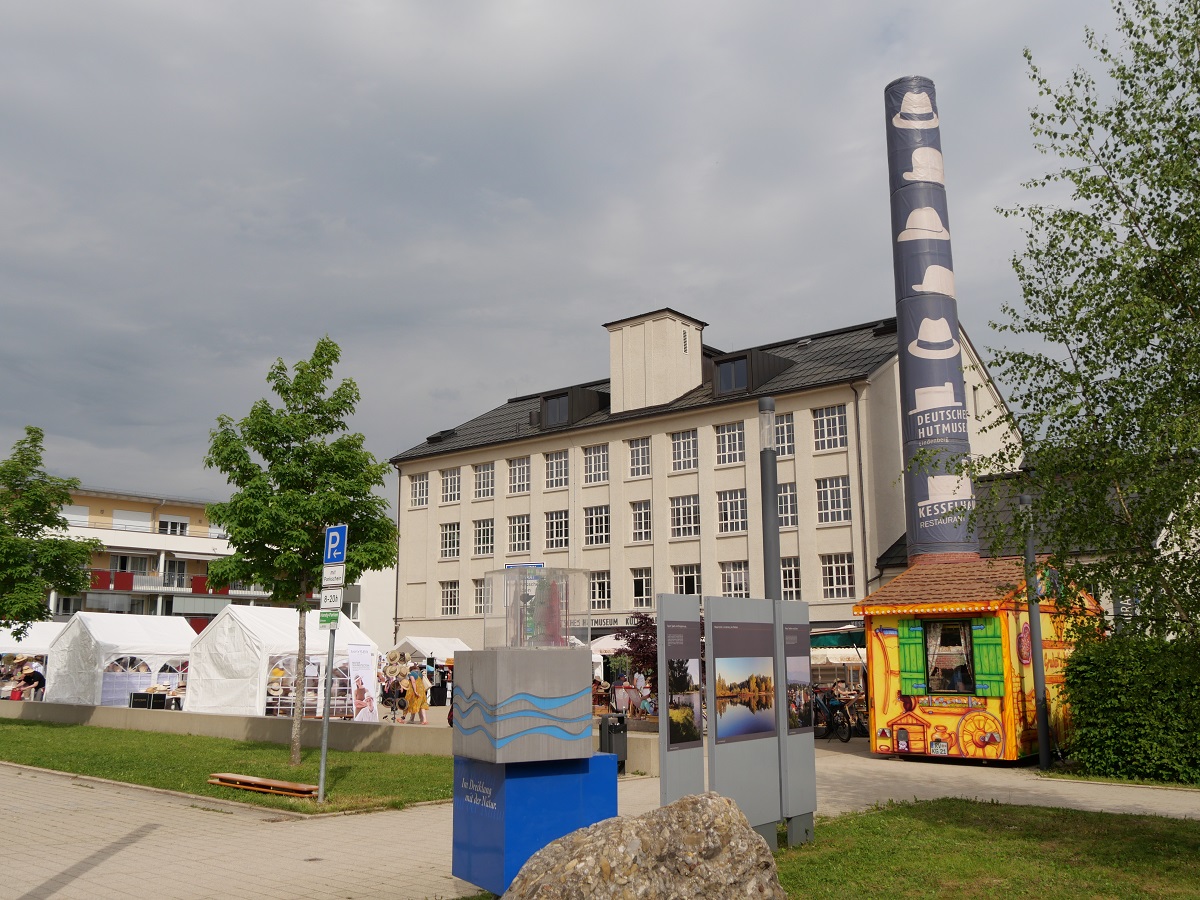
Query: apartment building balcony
[169,583]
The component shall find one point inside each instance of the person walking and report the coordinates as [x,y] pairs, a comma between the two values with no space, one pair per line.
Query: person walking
[416,692]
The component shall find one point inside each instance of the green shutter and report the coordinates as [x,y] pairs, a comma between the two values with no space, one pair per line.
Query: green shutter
[912,658]
[988,650]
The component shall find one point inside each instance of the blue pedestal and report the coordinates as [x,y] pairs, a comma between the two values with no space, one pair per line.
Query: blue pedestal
[506,812]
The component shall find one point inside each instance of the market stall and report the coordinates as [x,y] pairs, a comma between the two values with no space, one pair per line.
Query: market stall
[99,659]
[442,650]
[950,662]
[244,663]
[36,641]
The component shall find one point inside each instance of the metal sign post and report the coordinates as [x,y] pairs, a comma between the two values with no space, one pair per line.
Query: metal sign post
[333,578]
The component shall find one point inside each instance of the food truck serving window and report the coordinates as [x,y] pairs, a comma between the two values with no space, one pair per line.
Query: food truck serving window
[951,656]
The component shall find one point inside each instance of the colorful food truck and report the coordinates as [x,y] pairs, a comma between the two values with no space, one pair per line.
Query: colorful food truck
[950,661]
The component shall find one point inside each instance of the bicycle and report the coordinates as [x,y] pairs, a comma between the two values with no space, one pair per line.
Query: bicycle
[830,717]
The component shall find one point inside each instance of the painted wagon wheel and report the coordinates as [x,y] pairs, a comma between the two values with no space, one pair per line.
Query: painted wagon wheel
[980,735]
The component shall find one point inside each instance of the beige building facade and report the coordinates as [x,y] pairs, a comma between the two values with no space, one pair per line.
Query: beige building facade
[650,480]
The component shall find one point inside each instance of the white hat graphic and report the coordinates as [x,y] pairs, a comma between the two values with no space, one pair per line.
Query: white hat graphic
[934,340]
[937,397]
[937,280]
[924,224]
[916,111]
[943,488]
[926,166]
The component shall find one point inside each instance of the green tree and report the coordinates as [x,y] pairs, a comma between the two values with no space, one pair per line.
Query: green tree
[296,470]
[641,640]
[1106,389]
[35,558]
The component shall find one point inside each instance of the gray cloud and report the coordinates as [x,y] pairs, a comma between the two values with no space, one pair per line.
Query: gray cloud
[460,195]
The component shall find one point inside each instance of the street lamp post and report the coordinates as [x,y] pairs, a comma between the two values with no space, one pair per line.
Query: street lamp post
[1032,590]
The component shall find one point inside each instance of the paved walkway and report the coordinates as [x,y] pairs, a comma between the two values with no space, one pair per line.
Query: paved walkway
[99,840]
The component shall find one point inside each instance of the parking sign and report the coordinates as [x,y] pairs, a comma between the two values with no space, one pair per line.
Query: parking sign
[335,545]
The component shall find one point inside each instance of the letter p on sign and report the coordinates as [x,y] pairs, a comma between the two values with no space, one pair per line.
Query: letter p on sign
[335,545]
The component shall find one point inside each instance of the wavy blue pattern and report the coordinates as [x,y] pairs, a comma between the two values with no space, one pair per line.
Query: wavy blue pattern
[465,711]
[534,699]
[552,730]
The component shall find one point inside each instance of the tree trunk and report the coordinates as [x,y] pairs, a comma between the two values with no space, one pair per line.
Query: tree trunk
[300,690]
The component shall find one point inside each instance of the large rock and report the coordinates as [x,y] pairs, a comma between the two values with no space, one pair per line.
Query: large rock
[700,846]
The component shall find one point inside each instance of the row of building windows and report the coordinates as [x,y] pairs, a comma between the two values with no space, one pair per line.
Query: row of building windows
[829,432]
[837,583]
[833,506]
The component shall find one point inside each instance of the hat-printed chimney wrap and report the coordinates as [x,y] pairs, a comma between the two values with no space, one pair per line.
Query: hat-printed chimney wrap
[932,389]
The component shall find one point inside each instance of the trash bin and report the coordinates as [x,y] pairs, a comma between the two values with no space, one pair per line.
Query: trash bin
[437,695]
[614,738]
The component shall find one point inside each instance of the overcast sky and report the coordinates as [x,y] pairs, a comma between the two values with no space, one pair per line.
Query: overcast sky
[460,194]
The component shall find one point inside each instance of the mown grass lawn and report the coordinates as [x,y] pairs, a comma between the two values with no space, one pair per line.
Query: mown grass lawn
[963,849]
[177,762]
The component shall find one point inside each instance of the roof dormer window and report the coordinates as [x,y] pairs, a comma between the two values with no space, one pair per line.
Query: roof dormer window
[556,411]
[732,375]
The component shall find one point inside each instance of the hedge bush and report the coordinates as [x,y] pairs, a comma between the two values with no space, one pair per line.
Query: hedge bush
[1135,707]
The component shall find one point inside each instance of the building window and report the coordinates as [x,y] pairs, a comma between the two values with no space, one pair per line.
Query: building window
[833,499]
[558,469]
[558,531]
[518,534]
[837,576]
[557,411]
[601,590]
[451,485]
[595,525]
[685,516]
[450,536]
[735,579]
[949,659]
[731,511]
[172,525]
[686,578]
[789,568]
[639,457]
[518,475]
[640,512]
[785,434]
[731,443]
[350,610]
[829,427]
[138,565]
[449,598]
[485,537]
[732,375]
[68,606]
[788,516]
[483,597]
[485,481]
[643,589]
[595,464]
[684,453]
[176,574]
[418,493]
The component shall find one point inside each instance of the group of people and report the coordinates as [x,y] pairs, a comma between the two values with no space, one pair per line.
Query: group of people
[408,692]
[23,677]
[634,697]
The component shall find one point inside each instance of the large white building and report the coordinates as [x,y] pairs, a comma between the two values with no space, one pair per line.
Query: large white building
[650,481]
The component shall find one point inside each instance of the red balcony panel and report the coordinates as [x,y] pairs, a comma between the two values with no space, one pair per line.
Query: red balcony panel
[122,581]
[199,584]
[224,590]
[101,579]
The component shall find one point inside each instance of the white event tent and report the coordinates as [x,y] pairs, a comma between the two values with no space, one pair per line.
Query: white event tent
[421,648]
[244,662]
[36,641]
[99,659]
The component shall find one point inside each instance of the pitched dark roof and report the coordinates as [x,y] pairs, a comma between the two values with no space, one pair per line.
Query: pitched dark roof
[831,357]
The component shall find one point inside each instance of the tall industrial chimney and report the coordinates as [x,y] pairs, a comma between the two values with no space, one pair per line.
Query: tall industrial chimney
[932,391]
